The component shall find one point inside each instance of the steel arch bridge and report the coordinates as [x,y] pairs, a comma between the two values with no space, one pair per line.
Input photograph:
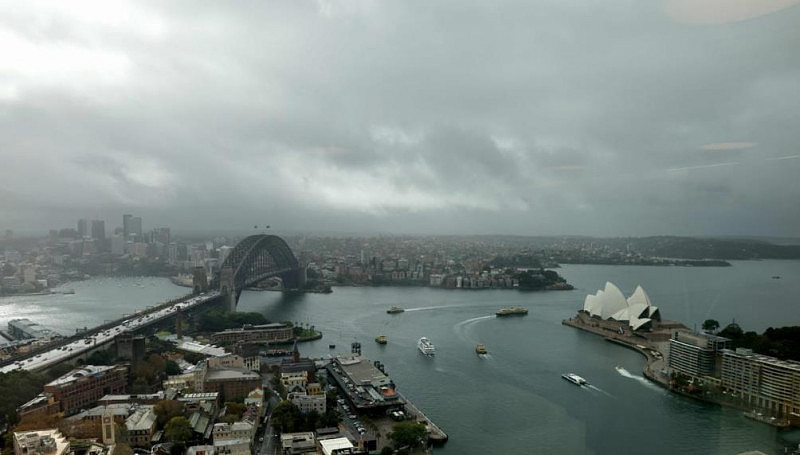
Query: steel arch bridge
[254,259]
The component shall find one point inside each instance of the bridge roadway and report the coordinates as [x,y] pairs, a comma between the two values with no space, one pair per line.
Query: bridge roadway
[105,334]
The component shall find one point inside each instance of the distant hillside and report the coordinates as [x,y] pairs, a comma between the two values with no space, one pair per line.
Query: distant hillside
[699,248]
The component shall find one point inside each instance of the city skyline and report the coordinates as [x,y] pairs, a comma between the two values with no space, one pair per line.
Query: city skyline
[453,118]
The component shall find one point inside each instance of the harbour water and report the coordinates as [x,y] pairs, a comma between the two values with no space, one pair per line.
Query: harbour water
[512,400]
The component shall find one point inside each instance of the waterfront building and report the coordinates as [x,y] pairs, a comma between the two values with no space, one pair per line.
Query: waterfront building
[266,333]
[763,382]
[25,329]
[695,354]
[82,387]
[50,442]
[610,303]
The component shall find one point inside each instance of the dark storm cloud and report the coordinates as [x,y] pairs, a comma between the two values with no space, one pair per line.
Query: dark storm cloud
[509,117]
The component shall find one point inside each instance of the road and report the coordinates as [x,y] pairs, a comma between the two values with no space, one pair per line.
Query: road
[135,321]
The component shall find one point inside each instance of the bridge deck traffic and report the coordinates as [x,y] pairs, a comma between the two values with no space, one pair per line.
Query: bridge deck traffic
[88,342]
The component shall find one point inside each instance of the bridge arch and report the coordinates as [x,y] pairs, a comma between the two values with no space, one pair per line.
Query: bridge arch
[254,259]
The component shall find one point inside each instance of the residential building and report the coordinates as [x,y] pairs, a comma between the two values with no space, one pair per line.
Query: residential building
[695,354]
[308,403]
[763,382]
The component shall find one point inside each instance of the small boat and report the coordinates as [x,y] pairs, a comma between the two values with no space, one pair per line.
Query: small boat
[381,339]
[574,378]
[776,277]
[480,349]
[69,291]
[331,346]
[426,347]
[517,311]
[395,310]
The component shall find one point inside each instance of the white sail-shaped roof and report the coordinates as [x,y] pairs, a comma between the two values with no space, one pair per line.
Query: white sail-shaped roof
[613,301]
[589,303]
[610,303]
[597,305]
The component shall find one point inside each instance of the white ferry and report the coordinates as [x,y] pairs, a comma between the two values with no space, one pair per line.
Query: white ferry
[574,378]
[426,347]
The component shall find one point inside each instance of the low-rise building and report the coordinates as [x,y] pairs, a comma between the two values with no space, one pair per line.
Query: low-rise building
[308,403]
[298,443]
[336,446]
[50,442]
[141,425]
[261,334]
[82,387]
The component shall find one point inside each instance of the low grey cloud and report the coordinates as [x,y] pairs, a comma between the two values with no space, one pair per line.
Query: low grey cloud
[551,117]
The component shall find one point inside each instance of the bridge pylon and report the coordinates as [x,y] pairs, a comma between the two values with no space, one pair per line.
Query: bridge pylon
[227,286]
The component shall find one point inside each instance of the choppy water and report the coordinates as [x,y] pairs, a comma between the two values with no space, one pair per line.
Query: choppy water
[513,400]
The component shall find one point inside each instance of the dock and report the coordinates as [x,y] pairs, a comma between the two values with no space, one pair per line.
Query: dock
[435,434]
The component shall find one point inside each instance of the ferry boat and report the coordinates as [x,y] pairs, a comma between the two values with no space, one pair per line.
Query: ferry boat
[574,378]
[480,349]
[516,311]
[426,347]
[395,310]
[381,339]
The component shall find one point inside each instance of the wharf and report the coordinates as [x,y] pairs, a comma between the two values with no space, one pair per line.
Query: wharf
[435,434]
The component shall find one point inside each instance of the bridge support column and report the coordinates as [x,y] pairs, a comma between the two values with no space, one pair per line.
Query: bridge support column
[228,287]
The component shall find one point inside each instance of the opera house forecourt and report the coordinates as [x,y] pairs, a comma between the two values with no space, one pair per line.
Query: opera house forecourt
[610,304]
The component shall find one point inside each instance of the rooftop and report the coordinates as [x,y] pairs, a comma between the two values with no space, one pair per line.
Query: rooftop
[231,374]
[78,373]
[141,420]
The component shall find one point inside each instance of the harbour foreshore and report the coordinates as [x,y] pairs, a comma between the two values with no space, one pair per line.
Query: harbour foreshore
[435,434]
[654,347]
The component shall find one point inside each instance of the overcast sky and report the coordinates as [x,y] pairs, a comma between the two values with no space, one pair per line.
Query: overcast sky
[610,118]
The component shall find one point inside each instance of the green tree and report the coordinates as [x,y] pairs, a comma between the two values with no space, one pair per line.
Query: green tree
[165,410]
[285,417]
[172,368]
[178,429]
[710,325]
[408,433]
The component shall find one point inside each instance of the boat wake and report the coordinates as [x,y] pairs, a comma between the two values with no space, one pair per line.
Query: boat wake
[461,328]
[598,389]
[627,374]
[427,308]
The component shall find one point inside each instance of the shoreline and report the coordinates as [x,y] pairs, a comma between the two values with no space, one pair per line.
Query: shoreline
[655,367]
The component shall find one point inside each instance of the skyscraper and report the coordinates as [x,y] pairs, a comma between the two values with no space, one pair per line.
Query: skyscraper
[136,227]
[98,229]
[126,226]
[83,227]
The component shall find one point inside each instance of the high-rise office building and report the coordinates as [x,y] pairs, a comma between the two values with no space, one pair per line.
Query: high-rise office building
[83,227]
[136,227]
[126,226]
[160,234]
[98,229]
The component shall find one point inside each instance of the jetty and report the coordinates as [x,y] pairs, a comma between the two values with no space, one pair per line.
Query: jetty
[435,434]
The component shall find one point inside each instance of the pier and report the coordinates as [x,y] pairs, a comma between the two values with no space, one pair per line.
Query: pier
[435,434]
